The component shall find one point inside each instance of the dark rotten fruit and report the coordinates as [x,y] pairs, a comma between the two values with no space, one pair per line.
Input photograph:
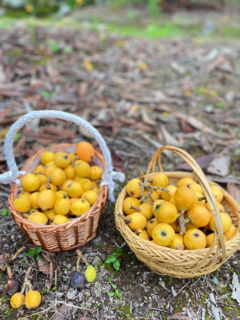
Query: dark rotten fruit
[78,281]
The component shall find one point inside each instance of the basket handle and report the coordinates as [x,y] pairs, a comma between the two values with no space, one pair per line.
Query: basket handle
[13,173]
[208,193]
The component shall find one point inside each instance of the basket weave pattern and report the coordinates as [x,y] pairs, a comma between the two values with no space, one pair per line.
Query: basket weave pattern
[183,263]
[67,236]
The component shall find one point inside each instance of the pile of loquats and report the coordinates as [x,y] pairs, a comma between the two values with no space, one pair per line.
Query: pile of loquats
[177,217]
[64,186]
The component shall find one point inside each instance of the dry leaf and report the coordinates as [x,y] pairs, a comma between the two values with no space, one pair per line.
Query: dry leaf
[146,119]
[203,162]
[169,139]
[220,165]
[45,265]
[234,190]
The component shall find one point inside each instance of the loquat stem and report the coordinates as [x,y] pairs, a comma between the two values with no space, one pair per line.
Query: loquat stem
[151,196]
[81,256]
[16,254]
[9,271]
[178,247]
[78,258]
[138,232]
[202,198]
[26,280]
[73,162]
[148,187]
[144,198]
[141,177]
[182,223]
[134,208]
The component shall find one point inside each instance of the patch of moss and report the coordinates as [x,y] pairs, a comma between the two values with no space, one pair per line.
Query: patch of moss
[125,313]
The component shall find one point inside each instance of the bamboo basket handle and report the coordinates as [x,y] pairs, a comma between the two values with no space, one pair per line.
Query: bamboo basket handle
[208,193]
[13,173]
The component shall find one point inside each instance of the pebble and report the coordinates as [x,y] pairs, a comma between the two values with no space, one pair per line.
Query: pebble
[71,293]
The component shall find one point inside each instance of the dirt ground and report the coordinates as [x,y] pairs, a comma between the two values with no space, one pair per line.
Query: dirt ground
[140,93]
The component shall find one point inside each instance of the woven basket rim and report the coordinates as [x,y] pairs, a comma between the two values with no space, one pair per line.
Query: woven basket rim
[119,211]
[49,228]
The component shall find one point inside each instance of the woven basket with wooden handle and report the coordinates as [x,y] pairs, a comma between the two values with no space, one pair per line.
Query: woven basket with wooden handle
[183,263]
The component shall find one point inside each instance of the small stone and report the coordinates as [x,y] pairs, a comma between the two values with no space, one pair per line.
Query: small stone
[71,294]
[97,240]
[85,318]
[74,310]
[209,108]
[87,294]
[215,280]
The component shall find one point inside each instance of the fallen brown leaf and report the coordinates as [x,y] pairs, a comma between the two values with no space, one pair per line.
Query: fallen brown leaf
[234,190]
[45,265]
[202,161]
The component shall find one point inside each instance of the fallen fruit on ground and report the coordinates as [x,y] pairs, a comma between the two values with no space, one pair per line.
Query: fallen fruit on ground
[33,299]
[17,300]
[78,280]
[90,273]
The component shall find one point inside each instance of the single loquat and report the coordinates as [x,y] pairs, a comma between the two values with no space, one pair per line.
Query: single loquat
[33,299]
[184,182]
[74,190]
[163,234]
[151,224]
[46,199]
[33,199]
[90,196]
[231,232]
[226,222]
[47,157]
[195,187]
[50,213]
[133,188]
[30,182]
[79,207]
[17,300]
[82,168]
[62,160]
[159,180]
[136,221]
[58,177]
[184,198]
[199,215]
[22,204]
[128,202]
[165,212]
[62,206]
[218,194]
[177,242]
[59,219]
[195,239]
[166,196]
[38,217]
[95,173]
[85,151]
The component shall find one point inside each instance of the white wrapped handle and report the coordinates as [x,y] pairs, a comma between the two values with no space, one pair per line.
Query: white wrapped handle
[13,173]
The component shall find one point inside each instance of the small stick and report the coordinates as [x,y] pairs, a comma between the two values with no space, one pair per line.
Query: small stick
[134,208]
[144,198]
